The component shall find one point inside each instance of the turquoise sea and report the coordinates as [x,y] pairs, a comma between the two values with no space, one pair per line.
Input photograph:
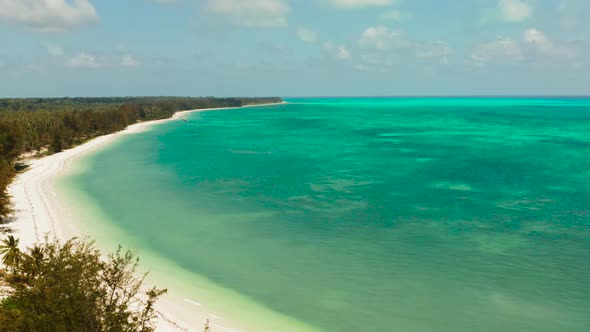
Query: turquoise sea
[361,214]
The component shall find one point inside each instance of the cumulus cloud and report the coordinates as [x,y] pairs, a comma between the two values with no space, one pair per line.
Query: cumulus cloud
[337,51]
[88,60]
[375,62]
[536,37]
[500,49]
[381,38]
[252,13]
[352,4]
[84,60]
[514,10]
[48,15]
[383,44]
[543,45]
[307,35]
[436,50]
[534,45]
[129,61]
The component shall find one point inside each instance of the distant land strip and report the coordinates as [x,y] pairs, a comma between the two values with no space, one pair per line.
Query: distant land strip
[35,127]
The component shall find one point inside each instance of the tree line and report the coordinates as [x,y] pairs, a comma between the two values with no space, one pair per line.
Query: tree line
[50,125]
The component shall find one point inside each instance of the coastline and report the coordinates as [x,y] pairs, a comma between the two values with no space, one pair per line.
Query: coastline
[39,211]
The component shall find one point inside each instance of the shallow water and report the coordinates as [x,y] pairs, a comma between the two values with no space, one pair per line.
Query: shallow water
[369,214]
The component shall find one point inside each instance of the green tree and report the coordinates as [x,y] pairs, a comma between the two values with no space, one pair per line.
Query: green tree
[10,252]
[6,171]
[10,140]
[69,287]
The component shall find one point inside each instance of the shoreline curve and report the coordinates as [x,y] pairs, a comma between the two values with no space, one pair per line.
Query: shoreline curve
[38,210]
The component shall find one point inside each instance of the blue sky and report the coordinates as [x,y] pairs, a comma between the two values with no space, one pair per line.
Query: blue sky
[294,48]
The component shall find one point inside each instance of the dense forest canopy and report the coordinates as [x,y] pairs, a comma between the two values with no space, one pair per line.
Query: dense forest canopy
[51,125]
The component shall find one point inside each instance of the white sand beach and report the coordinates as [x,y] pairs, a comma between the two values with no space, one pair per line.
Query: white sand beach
[39,211]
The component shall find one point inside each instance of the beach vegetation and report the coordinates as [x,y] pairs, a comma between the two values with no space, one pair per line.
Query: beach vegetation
[10,252]
[71,287]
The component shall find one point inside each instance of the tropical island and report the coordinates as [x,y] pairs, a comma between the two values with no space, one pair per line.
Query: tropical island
[425,169]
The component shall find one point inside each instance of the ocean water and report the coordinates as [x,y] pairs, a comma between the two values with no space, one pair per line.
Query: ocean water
[407,214]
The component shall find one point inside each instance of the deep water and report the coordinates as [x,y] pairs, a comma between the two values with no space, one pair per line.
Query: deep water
[455,214]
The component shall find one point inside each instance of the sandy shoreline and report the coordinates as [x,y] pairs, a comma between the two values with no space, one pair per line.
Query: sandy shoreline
[39,211]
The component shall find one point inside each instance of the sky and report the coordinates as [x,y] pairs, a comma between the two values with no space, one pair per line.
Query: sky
[52,48]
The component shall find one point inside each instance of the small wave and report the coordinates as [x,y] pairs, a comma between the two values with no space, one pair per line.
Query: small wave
[193,302]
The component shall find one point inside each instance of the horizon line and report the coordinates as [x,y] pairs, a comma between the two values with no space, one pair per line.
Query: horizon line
[447,96]
[323,96]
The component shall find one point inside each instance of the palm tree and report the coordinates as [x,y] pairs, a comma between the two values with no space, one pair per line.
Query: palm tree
[10,252]
[37,254]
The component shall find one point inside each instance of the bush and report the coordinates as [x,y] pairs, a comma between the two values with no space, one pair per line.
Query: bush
[69,287]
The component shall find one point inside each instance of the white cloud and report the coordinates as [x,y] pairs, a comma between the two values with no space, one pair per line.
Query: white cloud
[498,50]
[437,50]
[381,38]
[54,50]
[375,62]
[337,51]
[396,16]
[84,60]
[514,10]
[384,42]
[307,35]
[351,4]
[48,15]
[545,46]
[87,60]
[534,36]
[252,13]
[129,61]
[534,46]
